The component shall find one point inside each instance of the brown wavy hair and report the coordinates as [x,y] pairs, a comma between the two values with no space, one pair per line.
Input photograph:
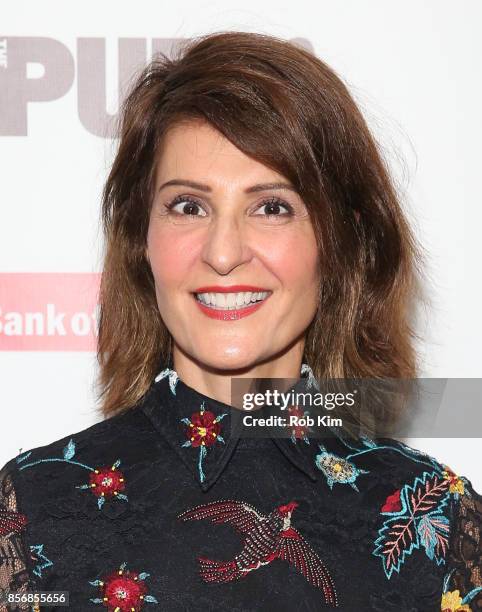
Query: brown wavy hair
[280,104]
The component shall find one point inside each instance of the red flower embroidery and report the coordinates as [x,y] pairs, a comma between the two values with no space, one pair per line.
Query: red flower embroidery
[106,482]
[297,431]
[123,591]
[392,503]
[203,429]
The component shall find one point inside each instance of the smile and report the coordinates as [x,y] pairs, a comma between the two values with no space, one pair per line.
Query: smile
[230,306]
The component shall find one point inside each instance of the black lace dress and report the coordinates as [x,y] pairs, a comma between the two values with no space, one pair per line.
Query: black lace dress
[162,507]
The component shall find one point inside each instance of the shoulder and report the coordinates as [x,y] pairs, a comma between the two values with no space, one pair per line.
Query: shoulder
[397,480]
[413,468]
[125,437]
[445,511]
[387,460]
[415,462]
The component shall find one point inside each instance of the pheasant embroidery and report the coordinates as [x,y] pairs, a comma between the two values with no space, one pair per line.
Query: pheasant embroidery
[266,538]
[11,521]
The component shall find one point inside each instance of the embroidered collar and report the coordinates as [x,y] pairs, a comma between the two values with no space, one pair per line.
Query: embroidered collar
[199,429]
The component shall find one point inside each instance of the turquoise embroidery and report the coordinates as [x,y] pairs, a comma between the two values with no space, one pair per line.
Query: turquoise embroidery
[41,560]
[337,469]
[415,519]
[104,482]
[414,515]
[446,592]
[21,458]
[173,378]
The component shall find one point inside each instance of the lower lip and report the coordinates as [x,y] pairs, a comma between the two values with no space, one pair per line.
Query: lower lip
[229,315]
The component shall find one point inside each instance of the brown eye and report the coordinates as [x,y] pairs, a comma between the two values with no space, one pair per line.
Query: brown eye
[184,205]
[273,206]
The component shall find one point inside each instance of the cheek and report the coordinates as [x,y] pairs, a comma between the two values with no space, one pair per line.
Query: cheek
[294,260]
[171,256]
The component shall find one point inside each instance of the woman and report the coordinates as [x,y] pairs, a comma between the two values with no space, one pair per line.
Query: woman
[252,230]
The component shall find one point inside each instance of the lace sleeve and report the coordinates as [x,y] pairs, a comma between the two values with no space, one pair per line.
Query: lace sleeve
[14,575]
[462,589]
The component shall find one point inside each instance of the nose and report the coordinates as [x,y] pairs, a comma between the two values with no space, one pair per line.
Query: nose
[225,247]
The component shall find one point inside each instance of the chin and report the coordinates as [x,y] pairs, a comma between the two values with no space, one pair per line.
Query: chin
[225,361]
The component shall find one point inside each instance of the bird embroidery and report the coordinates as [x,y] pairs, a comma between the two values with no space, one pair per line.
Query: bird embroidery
[266,538]
[11,521]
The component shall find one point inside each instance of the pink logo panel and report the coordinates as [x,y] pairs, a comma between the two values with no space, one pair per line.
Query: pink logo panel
[54,311]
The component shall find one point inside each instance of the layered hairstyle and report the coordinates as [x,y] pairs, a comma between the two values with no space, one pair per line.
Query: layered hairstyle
[280,104]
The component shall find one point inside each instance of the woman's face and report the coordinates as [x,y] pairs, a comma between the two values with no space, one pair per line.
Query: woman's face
[218,224]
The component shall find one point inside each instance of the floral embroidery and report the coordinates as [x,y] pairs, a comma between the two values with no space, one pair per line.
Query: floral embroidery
[415,519]
[452,601]
[415,513]
[38,557]
[392,503]
[104,482]
[336,469]
[298,431]
[173,378]
[123,591]
[456,483]
[203,430]
[266,537]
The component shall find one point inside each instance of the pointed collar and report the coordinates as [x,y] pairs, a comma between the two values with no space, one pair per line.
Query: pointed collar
[199,428]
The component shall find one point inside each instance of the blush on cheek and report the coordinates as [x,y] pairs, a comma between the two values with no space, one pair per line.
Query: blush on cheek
[171,256]
[294,261]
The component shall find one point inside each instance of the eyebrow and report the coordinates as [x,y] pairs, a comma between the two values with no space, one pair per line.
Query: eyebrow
[206,188]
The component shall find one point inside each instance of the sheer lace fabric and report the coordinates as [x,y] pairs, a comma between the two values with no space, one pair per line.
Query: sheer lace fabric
[14,576]
[466,550]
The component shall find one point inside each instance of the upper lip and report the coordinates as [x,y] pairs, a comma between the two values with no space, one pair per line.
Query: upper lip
[230,289]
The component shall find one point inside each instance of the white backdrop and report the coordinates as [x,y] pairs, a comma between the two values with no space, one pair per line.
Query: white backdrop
[413,67]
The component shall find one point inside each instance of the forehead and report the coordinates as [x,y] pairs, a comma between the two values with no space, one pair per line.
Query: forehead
[198,149]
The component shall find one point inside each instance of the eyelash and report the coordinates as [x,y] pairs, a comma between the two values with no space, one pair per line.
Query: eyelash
[273,200]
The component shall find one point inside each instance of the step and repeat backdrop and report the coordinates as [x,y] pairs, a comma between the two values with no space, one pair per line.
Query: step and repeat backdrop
[414,69]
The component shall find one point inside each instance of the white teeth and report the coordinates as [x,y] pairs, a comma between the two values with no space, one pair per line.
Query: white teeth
[220,299]
[230,301]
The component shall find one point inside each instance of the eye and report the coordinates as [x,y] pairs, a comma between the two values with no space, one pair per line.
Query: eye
[186,206]
[272,207]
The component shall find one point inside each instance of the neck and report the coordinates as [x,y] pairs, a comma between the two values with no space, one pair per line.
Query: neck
[215,382]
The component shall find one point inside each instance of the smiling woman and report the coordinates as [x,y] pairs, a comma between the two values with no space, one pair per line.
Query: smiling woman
[252,230]
[240,243]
